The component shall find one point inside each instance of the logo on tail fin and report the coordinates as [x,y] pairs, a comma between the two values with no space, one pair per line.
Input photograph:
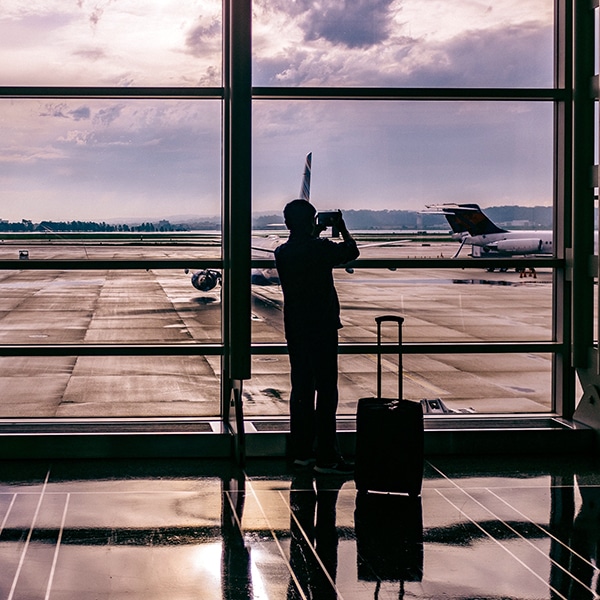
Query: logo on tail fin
[466,218]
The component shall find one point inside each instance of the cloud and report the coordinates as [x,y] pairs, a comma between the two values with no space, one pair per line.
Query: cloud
[351,23]
[81,114]
[110,43]
[120,157]
[105,116]
[96,10]
[518,55]
[91,54]
[404,154]
[203,36]
[61,110]
[402,43]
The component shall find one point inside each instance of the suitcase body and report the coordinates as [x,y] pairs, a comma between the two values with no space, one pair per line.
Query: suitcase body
[389,435]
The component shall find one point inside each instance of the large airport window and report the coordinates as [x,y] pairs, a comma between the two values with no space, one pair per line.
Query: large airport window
[123,44]
[393,44]
[121,170]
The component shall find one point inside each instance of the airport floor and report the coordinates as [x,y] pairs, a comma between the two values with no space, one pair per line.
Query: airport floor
[493,528]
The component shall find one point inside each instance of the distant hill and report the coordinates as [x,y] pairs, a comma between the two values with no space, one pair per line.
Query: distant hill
[512,217]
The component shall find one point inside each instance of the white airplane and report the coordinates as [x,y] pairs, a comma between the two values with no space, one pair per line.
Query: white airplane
[472,227]
[207,279]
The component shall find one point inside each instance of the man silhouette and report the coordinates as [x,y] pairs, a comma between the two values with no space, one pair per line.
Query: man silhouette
[311,319]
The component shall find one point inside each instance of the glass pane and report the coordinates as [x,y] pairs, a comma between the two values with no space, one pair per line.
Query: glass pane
[122,386]
[106,306]
[403,44]
[401,156]
[439,305]
[383,164]
[121,162]
[472,383]
[466,384]
[447,305]
[125,43]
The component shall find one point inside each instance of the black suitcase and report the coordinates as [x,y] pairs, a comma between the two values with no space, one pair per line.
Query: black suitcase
[389,435]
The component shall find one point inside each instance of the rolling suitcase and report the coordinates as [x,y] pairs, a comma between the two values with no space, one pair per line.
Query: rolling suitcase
[389,435]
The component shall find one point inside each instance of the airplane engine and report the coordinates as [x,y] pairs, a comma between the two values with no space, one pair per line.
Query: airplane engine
[524,246]
[206,280]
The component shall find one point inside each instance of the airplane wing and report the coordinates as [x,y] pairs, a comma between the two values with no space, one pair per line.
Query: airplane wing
[258,248]
[443,209]
[380,244]
[360,246]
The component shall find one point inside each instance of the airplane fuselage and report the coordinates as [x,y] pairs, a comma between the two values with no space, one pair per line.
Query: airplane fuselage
[510,243]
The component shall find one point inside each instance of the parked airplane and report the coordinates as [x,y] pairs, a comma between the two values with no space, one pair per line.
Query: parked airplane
[207,279]
[471,226]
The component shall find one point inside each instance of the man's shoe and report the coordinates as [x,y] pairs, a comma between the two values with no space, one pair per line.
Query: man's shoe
[341,467]
[304,462]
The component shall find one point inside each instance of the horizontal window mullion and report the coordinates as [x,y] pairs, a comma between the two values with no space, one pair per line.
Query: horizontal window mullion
[367,93]
[111,350]
[183,263]
[428,348]
[437,263]
[112,264]
[110,92]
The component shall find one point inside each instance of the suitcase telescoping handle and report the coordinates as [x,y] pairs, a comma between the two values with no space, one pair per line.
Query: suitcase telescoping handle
[379,321]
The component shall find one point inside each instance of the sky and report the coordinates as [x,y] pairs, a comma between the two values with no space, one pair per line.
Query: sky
[141,159]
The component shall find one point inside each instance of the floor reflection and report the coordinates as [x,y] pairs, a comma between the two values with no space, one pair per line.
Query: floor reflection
[389,538]
[314,537]
[575,546]
[236,578]
[483,528]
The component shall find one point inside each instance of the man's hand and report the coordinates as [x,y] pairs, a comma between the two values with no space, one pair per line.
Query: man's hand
[338,222]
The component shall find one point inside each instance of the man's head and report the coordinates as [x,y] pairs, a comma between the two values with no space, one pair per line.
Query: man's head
[299,216]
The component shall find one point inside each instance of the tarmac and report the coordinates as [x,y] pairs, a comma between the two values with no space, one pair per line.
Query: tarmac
[161,306]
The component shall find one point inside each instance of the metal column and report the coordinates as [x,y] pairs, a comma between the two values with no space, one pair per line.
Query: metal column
[237,208]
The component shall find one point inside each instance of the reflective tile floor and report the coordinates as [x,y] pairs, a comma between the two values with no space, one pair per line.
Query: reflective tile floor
[197,529]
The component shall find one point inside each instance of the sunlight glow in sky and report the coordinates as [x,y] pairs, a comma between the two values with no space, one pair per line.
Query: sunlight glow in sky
[125,159]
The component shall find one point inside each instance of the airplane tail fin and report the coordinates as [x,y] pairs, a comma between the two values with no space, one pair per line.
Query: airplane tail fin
[305,188]
[466,218]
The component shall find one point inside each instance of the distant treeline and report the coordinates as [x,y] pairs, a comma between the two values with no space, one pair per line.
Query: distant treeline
[90,226]
[539,217]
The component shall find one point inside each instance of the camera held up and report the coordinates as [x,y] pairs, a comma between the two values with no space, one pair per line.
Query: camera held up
[329,218]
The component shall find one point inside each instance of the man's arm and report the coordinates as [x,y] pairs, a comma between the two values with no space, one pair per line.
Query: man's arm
[353,250]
